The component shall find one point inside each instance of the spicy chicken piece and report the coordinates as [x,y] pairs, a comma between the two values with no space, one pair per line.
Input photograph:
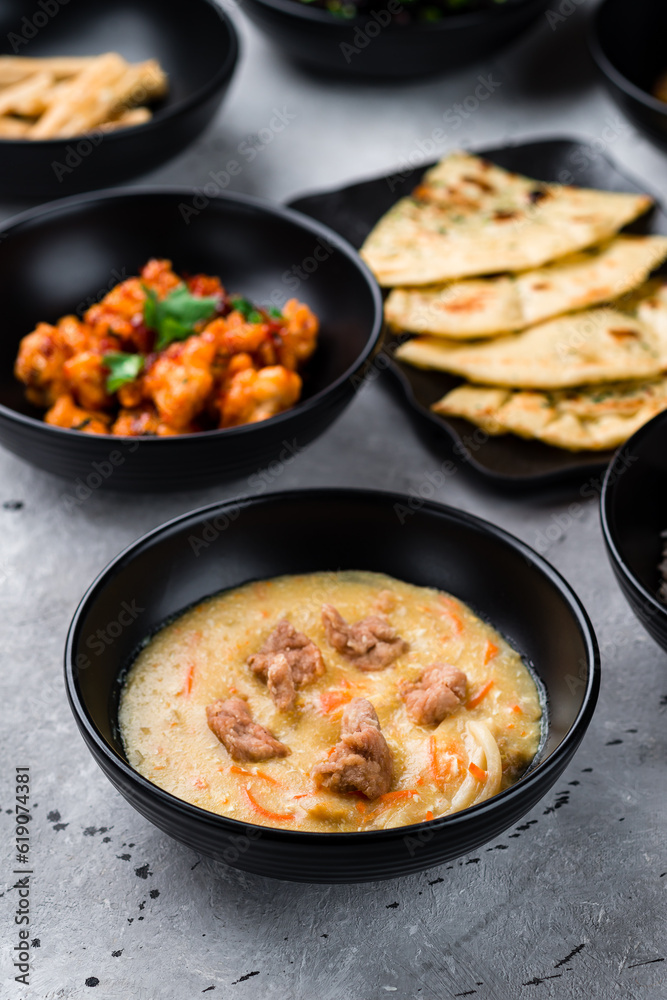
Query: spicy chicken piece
[136,422]
[257,395]
[206,285]
[280,682]
[132,394]
[86,378]
[371,644]
[65,413]
[237,363]
[303,658]
[243,739]
[180,380]
[267,354]
[39,364]
[144,421]
[120,312]
[361,761]
[224,369]
[298,338]
[158,274]
[234,334]
[72,334]
[435,694]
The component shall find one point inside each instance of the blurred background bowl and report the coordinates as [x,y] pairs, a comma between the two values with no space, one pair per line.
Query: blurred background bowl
[57,259]
[228,544]
[362,46]
[627,41]
[633,508]
[197,47]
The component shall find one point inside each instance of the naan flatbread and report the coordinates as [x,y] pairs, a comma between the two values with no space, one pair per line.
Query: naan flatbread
[598,345]
[650,306]
[469,217]
[487,307]
[594,418]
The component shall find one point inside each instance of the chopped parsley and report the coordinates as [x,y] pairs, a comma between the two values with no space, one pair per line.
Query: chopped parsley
[246,309]
[123,368]
[174,317]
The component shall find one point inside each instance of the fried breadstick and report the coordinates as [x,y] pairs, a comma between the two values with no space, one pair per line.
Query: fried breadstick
[30,97]
[101,101]
[13,128]
[84,100]
[13,69]
[135,116]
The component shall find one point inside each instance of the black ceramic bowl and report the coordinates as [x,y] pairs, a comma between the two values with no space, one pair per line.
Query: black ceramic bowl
[197,47]
[228,544]
[633,508]
[627,41]
[367,46]
[59,258]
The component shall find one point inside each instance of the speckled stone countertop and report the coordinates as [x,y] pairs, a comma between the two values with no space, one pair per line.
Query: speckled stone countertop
[571,903]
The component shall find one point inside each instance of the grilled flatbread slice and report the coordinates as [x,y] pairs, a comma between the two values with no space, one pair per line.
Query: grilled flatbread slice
[649,304]
[597,345]
[469,217]
[593,418]
[487,307]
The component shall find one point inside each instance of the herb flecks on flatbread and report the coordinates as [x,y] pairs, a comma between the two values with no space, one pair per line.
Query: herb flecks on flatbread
[593,418]
[487,307]
[598,345]
[470,217]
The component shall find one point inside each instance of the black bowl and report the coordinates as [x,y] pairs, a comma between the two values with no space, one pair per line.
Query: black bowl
[633,508]
[197,46]
[228,544]
[59,258]
[367,46]
[627,43]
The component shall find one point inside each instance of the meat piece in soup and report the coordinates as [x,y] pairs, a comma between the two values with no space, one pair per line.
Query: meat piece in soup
[303,656]
[243,739]
[280,682]
[437,693]
[371,644]
[361,761]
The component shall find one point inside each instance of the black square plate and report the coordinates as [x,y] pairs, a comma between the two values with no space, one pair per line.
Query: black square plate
[353,211]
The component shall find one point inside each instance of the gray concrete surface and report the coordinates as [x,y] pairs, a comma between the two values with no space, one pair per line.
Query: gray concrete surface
[569,904]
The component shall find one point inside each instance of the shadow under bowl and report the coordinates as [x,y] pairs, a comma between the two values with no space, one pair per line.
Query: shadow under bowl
[627,43]
[633,508]
[228,544]
[371,46]
[195,43]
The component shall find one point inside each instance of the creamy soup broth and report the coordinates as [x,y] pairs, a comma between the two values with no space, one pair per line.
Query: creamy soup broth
[480,748]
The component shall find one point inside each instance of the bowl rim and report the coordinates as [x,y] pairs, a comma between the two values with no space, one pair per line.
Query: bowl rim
[188,811]
[459,19]
[608,515]
[609,69]
[222,74]
[261,205]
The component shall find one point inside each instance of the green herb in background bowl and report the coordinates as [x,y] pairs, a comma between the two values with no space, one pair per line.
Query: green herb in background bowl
[409,12]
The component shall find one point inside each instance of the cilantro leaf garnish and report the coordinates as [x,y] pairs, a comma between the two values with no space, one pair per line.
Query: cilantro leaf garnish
[246,309]
[174,317]
[123,368]
[276,313]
